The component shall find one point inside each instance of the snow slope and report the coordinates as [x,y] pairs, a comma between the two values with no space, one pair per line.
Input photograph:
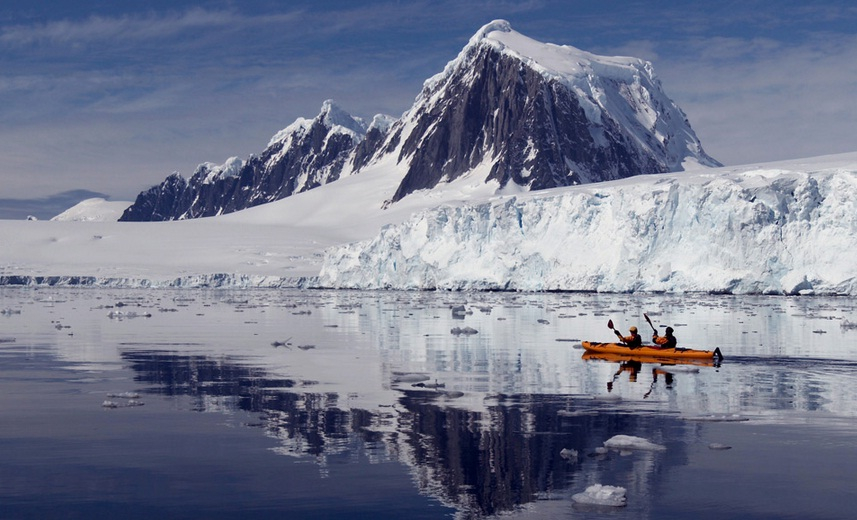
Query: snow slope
[785,227]
[94,210]
[272,245]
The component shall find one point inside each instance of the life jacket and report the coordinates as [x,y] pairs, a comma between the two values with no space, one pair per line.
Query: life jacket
[665,341]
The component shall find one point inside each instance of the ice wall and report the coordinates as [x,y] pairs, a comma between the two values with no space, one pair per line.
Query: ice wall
[759,231]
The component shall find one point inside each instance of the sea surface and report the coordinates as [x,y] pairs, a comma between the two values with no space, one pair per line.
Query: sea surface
[251,404]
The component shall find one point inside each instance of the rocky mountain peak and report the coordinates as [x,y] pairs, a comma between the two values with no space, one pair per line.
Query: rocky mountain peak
[533,114]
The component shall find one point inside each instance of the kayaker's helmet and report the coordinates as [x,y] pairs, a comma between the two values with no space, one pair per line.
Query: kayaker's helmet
[669,330]
[633,329]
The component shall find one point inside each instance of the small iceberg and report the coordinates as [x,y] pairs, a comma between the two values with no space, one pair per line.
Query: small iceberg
[569,454]
[717,418]
[122,315]
[629,442]
[128,404]
[124,395]
[598,495]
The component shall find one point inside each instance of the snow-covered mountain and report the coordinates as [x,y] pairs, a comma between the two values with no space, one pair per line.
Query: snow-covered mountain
[540,116]
[509,110]
[305,155]
[783,228]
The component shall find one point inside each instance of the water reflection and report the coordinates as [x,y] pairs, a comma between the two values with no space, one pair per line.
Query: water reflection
[481,463]
[479,395]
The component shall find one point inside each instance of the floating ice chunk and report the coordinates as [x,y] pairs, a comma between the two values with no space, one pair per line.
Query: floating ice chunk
[629,442]
[128,404]
[568,454]
[718,446]
[599,495]
[120,315]
[125,395]
[718,418]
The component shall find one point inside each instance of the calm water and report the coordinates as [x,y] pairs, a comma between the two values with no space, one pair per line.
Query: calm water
[273,404]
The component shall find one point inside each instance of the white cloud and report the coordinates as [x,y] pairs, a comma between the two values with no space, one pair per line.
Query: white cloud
[132,27]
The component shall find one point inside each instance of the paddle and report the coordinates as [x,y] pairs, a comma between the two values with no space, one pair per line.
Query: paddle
[610,325]
[650,323]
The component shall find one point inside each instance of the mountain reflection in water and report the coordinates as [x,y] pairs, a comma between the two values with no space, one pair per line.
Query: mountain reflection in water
[481,463]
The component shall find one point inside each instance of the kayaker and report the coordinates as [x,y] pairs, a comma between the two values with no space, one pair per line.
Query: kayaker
[633,340]
[666,341]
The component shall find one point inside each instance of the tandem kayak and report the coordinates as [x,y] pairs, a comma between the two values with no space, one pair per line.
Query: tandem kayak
[663,361]
[651,351]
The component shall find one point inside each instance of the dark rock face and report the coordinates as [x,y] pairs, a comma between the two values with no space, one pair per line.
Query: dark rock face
[162,202]
[533,129]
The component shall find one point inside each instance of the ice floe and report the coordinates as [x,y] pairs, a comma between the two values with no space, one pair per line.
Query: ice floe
[718,446]
[629,442]
[128,404]
[717,418]
[600,495]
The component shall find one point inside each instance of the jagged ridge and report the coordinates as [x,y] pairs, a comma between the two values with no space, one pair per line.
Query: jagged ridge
[303,156]
[532,114]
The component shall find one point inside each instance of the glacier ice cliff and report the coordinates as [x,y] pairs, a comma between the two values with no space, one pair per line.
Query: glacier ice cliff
[763,231]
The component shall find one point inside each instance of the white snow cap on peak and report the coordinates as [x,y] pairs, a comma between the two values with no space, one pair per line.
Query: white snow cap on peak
[382,122]
[231,168]
[563,62]
[332,115]
[559,60]
[495,25]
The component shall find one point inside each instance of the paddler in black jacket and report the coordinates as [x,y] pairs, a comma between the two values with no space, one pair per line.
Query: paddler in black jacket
[666,341]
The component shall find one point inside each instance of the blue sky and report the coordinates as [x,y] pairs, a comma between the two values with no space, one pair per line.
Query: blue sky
[112,96]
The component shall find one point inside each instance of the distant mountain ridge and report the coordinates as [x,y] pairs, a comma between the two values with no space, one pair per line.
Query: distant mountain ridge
[43,208]
[516,110]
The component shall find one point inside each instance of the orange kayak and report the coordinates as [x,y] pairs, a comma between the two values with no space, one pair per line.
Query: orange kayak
[651,351]
[663,361]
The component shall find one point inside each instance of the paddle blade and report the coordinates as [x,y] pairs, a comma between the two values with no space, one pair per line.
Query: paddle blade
[610,324]
[650,322]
